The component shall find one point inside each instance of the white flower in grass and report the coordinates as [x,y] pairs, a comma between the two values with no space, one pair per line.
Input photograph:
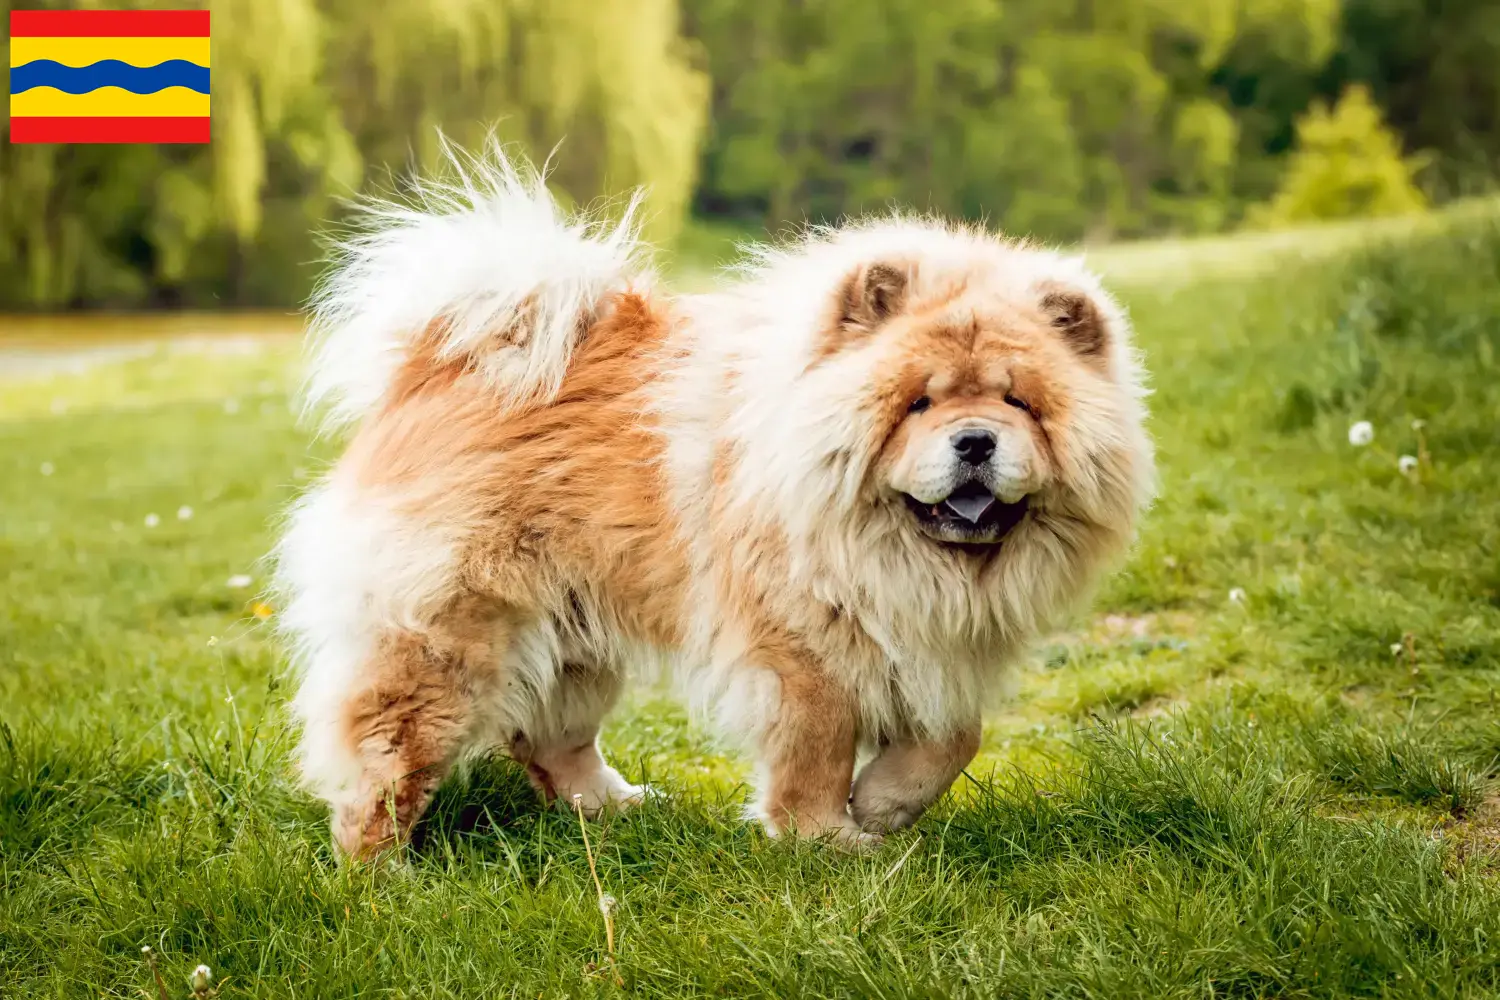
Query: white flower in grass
[48,468]
[1237,595]
[201,979]
[238,582]
[1397,649]
[1361,433]
[184,513]
[1407,464]
[152,520]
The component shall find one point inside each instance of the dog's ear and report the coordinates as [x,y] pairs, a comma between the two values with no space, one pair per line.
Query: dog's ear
[873,294]
[1077,319]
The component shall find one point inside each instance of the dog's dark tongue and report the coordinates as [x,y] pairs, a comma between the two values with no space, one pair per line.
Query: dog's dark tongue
[970,501]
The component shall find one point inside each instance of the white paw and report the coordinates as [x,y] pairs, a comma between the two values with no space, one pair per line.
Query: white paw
[852,840]
[606,791]
[884,815]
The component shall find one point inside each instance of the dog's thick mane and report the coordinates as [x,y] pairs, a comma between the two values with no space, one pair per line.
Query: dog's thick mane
[809,462]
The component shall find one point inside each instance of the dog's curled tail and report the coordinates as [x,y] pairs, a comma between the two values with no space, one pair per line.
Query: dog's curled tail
[485,271]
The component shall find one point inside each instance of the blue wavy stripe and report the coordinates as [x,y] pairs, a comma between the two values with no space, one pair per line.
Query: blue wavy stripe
[109,73]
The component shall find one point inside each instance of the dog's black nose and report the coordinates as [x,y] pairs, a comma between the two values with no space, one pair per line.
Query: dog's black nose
[974,446]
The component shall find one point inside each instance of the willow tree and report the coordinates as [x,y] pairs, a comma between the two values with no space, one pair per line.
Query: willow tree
[607,83]
[315,101]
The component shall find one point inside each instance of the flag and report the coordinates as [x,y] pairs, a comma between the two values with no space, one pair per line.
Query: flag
[109,76]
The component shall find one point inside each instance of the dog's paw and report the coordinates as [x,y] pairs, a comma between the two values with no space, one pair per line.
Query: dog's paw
[852,840]
[881,814]
[841,833]
[605,793]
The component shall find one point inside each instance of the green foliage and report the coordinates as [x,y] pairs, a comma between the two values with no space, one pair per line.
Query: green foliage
[1347,165]
[1065,119]
[1432,68]
[1062,119]
[317,100]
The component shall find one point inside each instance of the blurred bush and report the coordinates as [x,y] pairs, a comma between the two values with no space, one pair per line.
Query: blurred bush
[1347,165]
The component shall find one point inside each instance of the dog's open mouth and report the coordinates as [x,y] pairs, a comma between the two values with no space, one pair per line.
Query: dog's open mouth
[969,514]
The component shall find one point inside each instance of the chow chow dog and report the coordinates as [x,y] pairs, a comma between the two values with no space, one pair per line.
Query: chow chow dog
[839,495]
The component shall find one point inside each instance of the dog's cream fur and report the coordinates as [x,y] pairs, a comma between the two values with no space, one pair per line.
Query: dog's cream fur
[558,470]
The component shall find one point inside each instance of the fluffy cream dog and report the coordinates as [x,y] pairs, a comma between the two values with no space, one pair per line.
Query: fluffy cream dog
[841,494]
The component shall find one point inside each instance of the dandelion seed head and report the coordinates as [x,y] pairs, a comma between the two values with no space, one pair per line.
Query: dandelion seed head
[1407,464]
[1237,595]
[607,904]
[152,520]
[1418,425]
[1361,433]
[1397,648]
[184,513]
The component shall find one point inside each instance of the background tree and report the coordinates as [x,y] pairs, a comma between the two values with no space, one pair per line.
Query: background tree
[316,100]
[1066,119]
[1061,117]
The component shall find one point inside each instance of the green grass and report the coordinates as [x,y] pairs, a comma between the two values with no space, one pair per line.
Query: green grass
[1193,796]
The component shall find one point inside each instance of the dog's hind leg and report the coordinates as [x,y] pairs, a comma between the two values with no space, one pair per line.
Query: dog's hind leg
[560,748]
[409,717]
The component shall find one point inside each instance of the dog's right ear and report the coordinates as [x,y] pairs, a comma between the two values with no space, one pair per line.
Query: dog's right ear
[873,293]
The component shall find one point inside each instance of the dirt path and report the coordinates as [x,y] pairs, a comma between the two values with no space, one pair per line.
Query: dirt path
[43,346]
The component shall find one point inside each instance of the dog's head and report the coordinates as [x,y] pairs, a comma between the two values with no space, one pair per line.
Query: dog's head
[936,416]
[994,395]
[977,386]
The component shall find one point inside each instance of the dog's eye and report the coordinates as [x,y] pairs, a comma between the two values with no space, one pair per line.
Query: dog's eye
[919,404]
[1019,404]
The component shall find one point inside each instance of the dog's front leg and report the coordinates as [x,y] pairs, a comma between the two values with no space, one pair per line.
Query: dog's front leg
[908,775]
[806,756]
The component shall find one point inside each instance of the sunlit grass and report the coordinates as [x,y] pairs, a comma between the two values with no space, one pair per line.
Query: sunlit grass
[1285,792]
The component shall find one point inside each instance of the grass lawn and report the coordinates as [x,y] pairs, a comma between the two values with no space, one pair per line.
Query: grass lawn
[1262,766]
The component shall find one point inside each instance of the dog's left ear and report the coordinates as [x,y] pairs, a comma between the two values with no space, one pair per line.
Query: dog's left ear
[1077,319]
[873,294]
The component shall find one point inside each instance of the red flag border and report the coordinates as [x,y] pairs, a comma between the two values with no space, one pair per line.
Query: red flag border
[109,24]
[109,130]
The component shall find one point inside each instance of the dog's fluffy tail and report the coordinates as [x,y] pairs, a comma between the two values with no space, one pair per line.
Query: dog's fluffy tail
[485,271]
